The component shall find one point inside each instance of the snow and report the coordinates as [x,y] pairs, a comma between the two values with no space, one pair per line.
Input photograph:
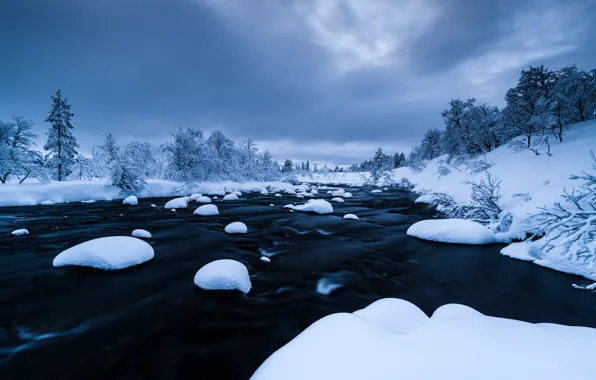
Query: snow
[236,228]
[47,203]
[300,196]
[271,205]
[338,200]
[219,193]
[131,200]
[223,275]
[108,199]
[393,339]
[206,210]
[318,206]
[144,234]
[203,199]
[338,193]
[265,259]
[107,253]
[290,192]
[264,192]
[347,195]
[89,201]
[376,191]
[20,232]
[425,199]
[230,197]
[456,231]
[278,195]
[350,217]
[177,203]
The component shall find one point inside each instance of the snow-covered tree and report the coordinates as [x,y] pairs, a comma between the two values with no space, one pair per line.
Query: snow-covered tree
[82,168]
[61,143]
[18,158]
[142,154]
[288,166]
[432,144]
[381,165]
[458,139]
[186,155]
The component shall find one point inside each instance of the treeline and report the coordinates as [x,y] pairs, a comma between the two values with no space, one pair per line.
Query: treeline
[538,111]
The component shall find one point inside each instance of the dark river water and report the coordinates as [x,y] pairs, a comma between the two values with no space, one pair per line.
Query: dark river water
[150,322]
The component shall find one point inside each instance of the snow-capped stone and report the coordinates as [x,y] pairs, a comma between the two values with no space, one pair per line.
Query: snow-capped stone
[203,199]
[456,231]
[290,206]
[220,193]
[89,201]
[265,259]
[376,191]
[299,196]
[152,205]
[143,234]
[394,314]
[347,195]
[215,197]
[330,192]
[230,197]
[350,217]
[307,195]
[314,192]
[223,275]
[237,193]
[271,205]
[318,206]
[206,210]
[193,197]
[236,228]
[47,203]
[264,192]
[338,200]
[425,199]
[277,194]
[181,202]
[107,253]
[108,199]
[173,210]
[386,189]
[20,232]
[132,200]
[338,193]
[290,192]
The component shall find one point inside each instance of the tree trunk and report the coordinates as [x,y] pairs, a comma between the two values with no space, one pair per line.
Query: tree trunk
[25,177]
[59,154]
[580,107]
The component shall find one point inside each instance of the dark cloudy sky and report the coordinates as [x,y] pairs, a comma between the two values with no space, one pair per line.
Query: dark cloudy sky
[326,80]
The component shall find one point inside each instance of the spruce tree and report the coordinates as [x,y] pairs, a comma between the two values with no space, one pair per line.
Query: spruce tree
[61,143]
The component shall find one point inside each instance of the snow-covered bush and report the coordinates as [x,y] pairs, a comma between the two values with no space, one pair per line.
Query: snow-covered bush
[478,165]
[570,225]
[442,169]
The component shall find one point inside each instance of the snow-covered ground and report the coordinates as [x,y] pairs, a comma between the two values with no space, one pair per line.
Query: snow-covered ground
[394,339]
[33,193]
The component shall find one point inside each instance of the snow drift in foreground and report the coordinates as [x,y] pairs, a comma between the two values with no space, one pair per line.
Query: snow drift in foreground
[107,253]
[393,339]
[456,231]
[223,275]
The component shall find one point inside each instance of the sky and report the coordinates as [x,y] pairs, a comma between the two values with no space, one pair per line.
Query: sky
[324,80]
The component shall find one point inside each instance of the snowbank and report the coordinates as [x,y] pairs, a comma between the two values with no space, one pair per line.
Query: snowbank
[223,275]
[108,253]
[393,339]
[236,228]
[456,231]
[206,210]
[318,206]
[177,203]
[143,234]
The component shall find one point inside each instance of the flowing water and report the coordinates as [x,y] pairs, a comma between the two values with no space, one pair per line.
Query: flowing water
[151,322]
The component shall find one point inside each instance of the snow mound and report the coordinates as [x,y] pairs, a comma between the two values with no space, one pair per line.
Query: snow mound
[108,199]
[456,231]
[47,203]
[220,193]
[223,275]
[307,195]
[144,234]
[264,192]
[314,192]
[177,203]
[338,200]
[89,201]
[377,191]
[21,232]
[290,192]
[236,228]
[318,206]
[203,199]
[107,253]
[230,197]
[132,200]
[265,259]
[338,193]
[300,196]
[347,195]
[237,193]
[271,205]
[350,217]
[194,197]
[278,195]
[393,339]
[206,210]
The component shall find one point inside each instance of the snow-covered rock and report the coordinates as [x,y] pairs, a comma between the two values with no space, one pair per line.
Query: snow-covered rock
[203,199]
[290,192]
[338,200]
[107,253]
[236,228]
[20,232]
[206,210]
[153,205]
[307,195]
[318,206]
[223,275]
[338,193]
[220,193]
[108,199]
[350,217]
[177,203]
[264,192]
[271,205]
[230,197]
[47,203]
[300,196]
[314,192]
[194,197]
[237,193]
[393,339]
[425,199]
[376,191]
[131,200]
[143,234]
[265,259]
[89,201]
[347,195]
[215,197]
[277,194]
[456,231]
